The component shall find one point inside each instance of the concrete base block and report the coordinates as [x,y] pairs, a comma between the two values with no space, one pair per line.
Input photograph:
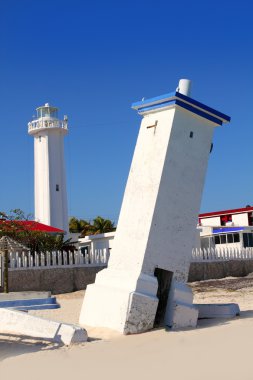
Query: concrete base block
[120,302]
[228,310]
[184,316]
[16,322]
[180,312]
[141,315]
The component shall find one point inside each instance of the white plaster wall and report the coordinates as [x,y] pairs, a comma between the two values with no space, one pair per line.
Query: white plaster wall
[41,178]
[141,192]
[176,211]
[49,170]
[220,247]
[197,239]
[240,219]
[178,176]
[58,199]
[206,231]
[105,241]
[215,221]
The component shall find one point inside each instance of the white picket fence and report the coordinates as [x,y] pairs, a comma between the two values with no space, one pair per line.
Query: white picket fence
[100,257]
[222,254]
[18,260]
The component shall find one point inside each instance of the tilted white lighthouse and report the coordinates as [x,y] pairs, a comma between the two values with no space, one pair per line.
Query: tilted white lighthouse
[49,168]
[145,282]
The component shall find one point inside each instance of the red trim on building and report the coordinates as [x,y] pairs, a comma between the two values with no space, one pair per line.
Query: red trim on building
[34,226]
[225,212]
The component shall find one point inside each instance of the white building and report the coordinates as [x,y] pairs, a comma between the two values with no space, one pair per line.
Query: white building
[49,167]
[96,242]
[227,228]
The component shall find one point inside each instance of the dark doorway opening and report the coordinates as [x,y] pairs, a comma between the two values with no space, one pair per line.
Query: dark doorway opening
[164,278]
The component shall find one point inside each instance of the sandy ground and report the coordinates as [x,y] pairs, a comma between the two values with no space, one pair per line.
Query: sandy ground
[216,349]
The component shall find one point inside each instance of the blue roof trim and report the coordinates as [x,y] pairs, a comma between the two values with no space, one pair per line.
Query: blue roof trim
[183,105]
[203,106]
[141,103]
[199,112]
[230,229]
[159,105]
[180,99]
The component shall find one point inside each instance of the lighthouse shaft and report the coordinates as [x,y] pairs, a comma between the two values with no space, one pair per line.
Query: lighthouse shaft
[49,168]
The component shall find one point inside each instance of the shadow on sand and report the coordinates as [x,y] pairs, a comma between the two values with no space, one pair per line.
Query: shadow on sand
[15,345]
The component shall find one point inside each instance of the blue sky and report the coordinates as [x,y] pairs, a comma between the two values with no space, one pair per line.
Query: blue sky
[92,60]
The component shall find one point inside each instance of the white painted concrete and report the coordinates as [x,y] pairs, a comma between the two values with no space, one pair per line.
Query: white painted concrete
[215,221]
[49,169]
[157,223]
[229,310]
[99,241]
[24,295]
[240,219]
[221,247]
[16,322]
[180,311]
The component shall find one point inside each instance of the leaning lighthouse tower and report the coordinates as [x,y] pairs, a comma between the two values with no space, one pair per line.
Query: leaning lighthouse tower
[49,168]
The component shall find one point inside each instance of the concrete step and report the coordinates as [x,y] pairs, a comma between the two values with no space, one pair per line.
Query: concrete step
[35,307]
[23,295]
[30,304]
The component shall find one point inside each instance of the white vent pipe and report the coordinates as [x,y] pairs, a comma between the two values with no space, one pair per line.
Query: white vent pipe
[184,87]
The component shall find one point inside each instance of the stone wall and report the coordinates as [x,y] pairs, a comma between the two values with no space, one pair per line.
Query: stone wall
[56,280]
[65,280]
[214,270]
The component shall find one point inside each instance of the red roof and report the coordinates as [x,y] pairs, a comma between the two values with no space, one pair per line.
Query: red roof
[36,226]
[224,212]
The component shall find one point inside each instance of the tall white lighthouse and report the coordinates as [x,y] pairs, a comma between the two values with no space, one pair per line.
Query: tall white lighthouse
[49,167]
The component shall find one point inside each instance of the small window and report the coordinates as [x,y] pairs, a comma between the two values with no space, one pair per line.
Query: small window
[230,238]
[84,250]
[217,239]
[223,239]
[57,187]
[191,134]
[245,240]
[225,219]
[250,237]
[236,238]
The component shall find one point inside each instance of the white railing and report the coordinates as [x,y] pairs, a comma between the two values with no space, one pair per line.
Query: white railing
[41,123]
[56,259]
[222,254]
[100,257]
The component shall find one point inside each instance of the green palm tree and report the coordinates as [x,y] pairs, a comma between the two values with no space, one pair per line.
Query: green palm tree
[102,225]
[99,226]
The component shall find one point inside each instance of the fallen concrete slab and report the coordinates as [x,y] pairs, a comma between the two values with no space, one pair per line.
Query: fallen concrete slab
[17,322]
[228,310]
[11,296]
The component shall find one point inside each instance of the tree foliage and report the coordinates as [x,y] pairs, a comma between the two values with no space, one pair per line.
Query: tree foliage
[35,241]
[98,226]
[77,225]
